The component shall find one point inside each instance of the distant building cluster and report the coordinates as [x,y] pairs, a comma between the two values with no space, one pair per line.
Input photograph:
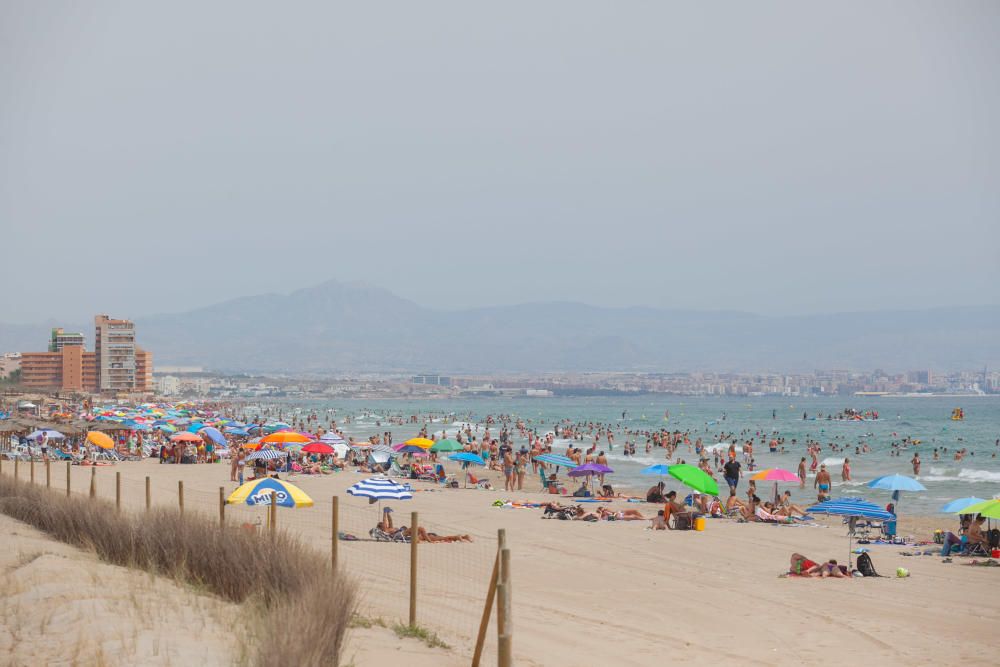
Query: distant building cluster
[117,365]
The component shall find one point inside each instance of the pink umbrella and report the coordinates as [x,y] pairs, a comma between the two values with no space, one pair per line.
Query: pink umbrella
[775,475]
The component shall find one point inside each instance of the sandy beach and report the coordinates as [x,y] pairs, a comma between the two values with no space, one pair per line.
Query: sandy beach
[592,593]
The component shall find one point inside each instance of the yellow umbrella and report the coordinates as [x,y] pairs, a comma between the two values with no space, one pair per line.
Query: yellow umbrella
[102,440]
[420,442]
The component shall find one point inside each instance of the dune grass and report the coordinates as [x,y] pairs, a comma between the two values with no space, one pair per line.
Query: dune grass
[280,579]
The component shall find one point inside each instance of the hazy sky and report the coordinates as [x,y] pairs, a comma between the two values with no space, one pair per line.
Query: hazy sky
[774,157]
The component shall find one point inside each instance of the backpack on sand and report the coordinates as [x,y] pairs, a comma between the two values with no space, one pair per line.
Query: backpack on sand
[866,567]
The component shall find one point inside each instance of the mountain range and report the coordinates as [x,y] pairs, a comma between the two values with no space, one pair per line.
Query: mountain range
[354,327]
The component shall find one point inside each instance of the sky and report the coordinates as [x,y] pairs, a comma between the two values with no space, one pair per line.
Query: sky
[775,157]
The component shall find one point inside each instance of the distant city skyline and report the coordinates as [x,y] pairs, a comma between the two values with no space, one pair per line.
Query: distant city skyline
[774,158]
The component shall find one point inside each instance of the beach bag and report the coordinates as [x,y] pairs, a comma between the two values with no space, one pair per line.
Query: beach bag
[866,567]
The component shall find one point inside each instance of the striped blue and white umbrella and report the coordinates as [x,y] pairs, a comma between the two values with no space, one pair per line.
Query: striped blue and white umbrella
[854,508]
[332,438]
[381,488]
[556,460]
[266,454]
[851,507]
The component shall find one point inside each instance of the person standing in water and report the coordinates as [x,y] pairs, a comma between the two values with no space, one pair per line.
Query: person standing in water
[845,474]
[916,464]
[802,473]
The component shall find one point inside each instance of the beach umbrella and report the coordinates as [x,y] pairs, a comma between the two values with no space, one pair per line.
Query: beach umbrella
[102,440]
[896,483]
[185,436]
[258,492]
[659,469]
[988,508]
[695,478]
[52,435]
[285,437]
[775,475]
[318,448]
[447,445]
[232,430]
[467,457]
[215,434]
[333,438]
[589,469]
[856,508]
[377,489]
[958,505]
[556,460]
[420,442]
[266,454]
[413,450]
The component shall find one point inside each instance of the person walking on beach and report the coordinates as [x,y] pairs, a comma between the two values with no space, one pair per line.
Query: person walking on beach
[802,473]
[731,471]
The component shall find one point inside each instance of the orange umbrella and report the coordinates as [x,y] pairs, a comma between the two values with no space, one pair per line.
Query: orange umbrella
[286,437]
[102,440]
[185,436]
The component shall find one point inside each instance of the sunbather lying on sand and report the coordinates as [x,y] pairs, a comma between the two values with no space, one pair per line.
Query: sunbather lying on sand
[620,515]
[803,567]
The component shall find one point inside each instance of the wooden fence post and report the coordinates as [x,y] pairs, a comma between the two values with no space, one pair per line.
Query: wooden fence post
[504,630]
[491,591]
[48,474]
[16,463]
[32,471]
[180,496]
[335,543]
[118,491]
[69,476]
[222,507]
[273,513]
[414,539]
[93,482]
[149,495]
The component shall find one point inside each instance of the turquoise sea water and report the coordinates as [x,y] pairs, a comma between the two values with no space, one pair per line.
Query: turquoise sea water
[926,419]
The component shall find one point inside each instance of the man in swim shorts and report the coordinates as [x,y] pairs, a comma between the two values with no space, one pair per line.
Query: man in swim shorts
[822,483]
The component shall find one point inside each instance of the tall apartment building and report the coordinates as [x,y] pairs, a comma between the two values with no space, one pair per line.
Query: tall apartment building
[114,345]
[115,366]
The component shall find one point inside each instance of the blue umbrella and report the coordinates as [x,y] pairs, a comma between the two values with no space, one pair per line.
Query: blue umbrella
[896,483]
[556,460]
[214,434]
[232,430]
[960,504]
[658,469]
[467,457]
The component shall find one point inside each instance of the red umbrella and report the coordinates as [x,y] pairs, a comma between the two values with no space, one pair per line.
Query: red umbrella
[186,437]
[318,448]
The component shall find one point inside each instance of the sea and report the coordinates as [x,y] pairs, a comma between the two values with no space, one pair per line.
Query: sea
[925,419]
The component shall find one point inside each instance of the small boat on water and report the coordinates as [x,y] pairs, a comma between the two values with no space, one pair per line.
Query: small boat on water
[957,415]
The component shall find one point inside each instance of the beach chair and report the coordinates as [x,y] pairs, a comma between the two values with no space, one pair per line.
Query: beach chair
[975,549]
[380,535]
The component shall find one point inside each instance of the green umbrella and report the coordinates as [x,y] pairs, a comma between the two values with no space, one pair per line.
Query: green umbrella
[696,478]
[988,508]
[447,445]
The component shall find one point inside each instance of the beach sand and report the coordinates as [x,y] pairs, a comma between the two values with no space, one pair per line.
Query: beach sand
[61,605]
[615,593]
